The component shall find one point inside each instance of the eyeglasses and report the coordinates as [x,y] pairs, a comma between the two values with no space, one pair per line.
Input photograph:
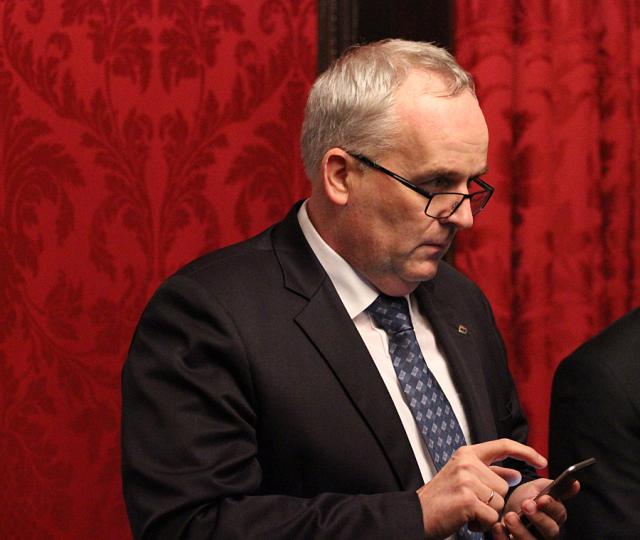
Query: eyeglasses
[441,204]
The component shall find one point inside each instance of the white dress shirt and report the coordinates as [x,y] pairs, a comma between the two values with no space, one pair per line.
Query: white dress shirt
[356,295]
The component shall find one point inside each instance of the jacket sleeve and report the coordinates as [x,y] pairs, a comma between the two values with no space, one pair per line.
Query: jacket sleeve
[189,446]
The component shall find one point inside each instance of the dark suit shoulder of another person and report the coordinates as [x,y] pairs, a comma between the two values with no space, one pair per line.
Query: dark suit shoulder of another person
[595,412]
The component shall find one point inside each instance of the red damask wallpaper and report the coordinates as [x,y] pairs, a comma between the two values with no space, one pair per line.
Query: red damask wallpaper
[137,134]
[134,135]
[558,249]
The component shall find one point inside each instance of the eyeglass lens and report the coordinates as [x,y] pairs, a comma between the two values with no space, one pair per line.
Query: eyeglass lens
[443,205]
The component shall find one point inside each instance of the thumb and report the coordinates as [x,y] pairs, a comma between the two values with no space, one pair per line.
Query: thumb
[510,476]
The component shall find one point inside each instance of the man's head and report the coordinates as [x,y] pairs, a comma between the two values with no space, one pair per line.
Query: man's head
[411,109]
[351,104]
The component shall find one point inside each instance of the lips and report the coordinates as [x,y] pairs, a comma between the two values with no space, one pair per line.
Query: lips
[436,250]
[438,245]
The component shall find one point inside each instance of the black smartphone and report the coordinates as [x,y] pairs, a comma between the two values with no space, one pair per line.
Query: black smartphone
[565,479]
[560,484]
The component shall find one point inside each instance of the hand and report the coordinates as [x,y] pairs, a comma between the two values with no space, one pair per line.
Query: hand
[469,489]
[545,514]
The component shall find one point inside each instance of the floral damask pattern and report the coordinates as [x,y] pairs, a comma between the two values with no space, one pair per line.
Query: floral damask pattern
[560,86]
[134,135]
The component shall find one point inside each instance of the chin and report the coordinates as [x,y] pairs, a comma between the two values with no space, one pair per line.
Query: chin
[424,273]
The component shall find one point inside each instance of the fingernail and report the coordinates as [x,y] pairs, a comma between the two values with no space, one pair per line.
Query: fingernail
[511,519]
[515,480]
[529,507]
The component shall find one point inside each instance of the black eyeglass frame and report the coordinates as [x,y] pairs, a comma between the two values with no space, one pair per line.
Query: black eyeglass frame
[487,189]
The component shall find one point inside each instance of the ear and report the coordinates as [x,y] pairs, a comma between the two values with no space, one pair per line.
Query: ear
[336,168]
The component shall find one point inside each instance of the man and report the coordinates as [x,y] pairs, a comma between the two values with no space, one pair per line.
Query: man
[268,394]
[595,412]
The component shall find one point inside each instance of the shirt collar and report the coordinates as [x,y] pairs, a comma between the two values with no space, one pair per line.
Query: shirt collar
[356,294]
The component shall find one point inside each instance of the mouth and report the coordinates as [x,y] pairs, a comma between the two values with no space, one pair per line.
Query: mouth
[439,245]
[435,250]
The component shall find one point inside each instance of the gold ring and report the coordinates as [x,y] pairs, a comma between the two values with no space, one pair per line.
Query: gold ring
[490,497]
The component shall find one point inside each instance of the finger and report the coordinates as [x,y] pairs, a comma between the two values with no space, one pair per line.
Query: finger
[511,476]
[492,451]
[494,500]
[553,508]
[516,528]
[499,531]
[485,516]
[535,521]
[468,468]
[545,526]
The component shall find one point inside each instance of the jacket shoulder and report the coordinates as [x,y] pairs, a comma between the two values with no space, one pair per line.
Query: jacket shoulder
[457,290]
[619,341]
[230,259]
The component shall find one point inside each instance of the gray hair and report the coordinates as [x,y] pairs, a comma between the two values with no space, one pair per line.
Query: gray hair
[350,104]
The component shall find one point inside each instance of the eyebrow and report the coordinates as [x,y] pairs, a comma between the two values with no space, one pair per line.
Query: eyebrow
[447,173]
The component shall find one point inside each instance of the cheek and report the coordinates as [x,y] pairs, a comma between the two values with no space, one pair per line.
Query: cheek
[391,222]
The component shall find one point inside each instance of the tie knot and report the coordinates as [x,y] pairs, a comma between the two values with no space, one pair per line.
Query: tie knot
[391,313]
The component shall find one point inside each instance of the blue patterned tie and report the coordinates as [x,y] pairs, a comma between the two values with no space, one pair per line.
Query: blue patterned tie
[430,407]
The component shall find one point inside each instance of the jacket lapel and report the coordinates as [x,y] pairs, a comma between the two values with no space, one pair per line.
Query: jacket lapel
[328,326]
[456,336]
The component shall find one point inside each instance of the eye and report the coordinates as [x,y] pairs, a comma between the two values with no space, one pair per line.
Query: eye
[440,183]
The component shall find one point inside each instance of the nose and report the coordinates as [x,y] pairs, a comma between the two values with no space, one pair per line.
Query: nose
[462,218]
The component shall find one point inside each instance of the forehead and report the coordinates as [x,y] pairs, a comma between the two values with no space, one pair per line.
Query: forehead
[435,124]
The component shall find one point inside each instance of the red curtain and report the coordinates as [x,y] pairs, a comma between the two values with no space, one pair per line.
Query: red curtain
[134,135]
[558,250]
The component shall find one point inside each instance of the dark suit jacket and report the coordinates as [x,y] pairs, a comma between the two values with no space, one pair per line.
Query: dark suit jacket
[595,411]
[252,409]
